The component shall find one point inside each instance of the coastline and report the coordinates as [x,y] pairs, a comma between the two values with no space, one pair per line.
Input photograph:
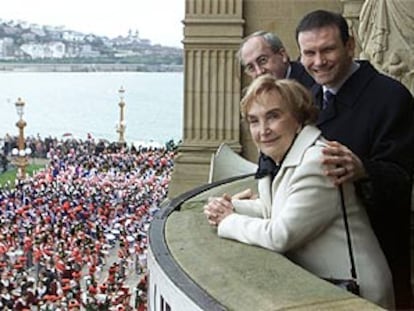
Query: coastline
[80,67]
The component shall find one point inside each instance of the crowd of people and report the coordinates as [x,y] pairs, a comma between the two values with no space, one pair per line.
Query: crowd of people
[73,233]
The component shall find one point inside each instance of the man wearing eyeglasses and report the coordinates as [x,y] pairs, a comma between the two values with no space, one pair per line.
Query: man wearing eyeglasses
[263,52]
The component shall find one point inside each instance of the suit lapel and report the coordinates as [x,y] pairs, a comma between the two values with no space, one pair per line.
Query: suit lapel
[348,94]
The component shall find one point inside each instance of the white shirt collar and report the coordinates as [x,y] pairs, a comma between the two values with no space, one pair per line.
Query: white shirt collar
[335,89]
[288,71]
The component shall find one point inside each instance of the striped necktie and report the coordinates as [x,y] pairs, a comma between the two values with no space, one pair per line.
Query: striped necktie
[328,98]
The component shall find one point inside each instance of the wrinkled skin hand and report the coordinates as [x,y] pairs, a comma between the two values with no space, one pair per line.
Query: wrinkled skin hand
[245,195]
[342,164]
[218,208]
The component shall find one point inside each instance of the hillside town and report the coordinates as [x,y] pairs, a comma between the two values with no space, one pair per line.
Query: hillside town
[26,42]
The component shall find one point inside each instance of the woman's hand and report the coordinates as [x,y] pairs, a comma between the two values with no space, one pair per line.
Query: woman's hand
[246,194]
[218,208]
[343,165]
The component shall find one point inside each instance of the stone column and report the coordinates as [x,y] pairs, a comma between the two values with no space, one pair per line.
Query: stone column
[212,35]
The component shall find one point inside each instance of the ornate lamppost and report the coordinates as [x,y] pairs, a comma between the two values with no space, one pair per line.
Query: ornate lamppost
[21,153]
[122,124]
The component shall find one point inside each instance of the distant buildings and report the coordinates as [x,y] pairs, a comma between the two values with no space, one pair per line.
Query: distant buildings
[21,41]
[53,49]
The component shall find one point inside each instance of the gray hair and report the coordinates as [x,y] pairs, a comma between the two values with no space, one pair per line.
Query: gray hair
[270,38]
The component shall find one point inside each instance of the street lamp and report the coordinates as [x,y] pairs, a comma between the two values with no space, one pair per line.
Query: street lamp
[122,124]
[21,153]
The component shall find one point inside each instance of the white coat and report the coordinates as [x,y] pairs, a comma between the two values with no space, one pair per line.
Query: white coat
[299,215]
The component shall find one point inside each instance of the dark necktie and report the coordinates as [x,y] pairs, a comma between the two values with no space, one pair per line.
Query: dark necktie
[328,98]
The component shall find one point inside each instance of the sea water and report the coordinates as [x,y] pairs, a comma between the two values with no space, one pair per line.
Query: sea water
[60,104]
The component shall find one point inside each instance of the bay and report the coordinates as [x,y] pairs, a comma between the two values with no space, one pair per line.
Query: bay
[87,102]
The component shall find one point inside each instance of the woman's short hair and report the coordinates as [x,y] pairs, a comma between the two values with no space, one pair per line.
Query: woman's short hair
[296,97]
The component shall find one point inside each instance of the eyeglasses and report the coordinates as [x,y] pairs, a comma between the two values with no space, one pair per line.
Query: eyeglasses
[260,62]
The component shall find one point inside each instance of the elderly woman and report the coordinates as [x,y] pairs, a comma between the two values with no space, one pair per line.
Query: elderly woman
[298,211]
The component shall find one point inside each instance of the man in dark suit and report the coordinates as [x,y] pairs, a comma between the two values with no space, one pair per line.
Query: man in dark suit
[261,53]
[371,118]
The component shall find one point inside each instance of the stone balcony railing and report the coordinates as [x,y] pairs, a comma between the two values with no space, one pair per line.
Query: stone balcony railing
[191,268]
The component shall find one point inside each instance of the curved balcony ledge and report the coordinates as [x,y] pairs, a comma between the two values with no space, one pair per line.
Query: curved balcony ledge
[191,268]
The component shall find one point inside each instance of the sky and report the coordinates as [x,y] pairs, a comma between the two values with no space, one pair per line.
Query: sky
[157,20]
